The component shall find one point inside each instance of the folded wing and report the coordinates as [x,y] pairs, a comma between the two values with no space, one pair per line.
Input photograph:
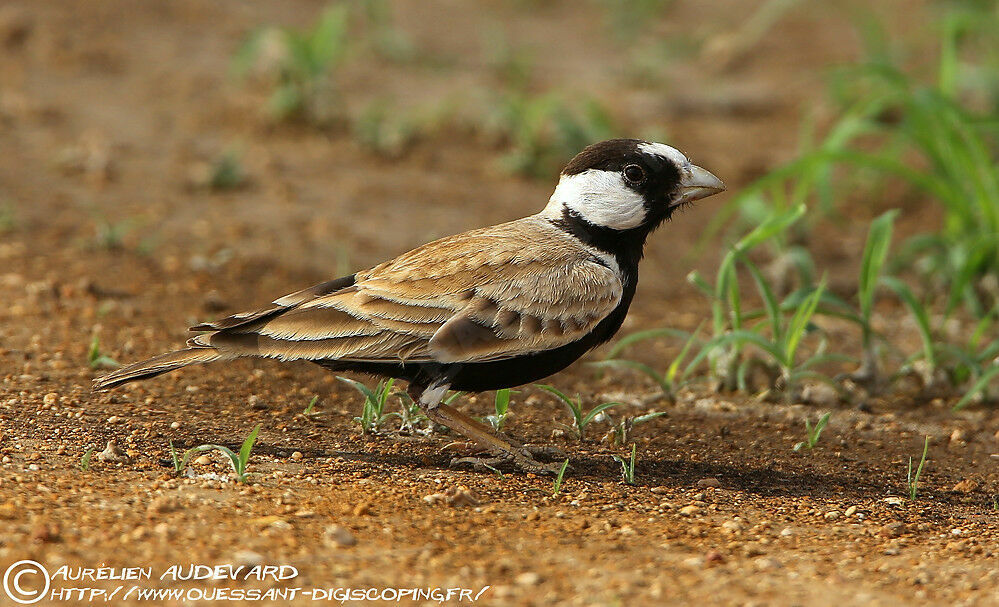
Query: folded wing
[484,295]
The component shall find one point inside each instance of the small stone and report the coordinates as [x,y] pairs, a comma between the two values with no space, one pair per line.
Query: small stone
[820,394]
[203,460]
[659,490]
[786,532]
[850,511]
[690,510]
[713,556]
[114,419]
[965,486]
[958,436]
[528,578]
[455,496]
[50,399]
[297,455]
[339,536]
[766,563]
[832,515]
[709,482]
[8,511]
[892,529]
[257,403]
[733,526]
[112,453]
[175,425]
[894,501]
[45,534]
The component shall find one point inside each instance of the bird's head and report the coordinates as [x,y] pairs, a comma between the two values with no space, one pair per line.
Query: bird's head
[628,185]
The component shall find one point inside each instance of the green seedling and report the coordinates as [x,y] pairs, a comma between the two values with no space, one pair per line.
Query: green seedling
[875,253]
[669,381]
[912,480]
[300,66]
[110,236]
[372,412]
[812,434]
[544,132]
[176,459]
[627,466]
[575,406]
[96,359]
[311,405]
[622,430]
[238,461]
[557,486]
[386,131]
[385,38]
[501,407]
[85,460]
[227,172]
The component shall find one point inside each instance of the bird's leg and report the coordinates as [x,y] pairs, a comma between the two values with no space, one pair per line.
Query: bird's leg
[508,450]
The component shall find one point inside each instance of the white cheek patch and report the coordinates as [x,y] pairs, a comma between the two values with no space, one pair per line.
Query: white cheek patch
[668,152]
[599,197]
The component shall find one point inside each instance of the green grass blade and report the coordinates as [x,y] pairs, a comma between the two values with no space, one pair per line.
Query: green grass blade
[919,313]
[597,411]
[875,253]
[799,323]
[642,368]
[980,385]
[247,447]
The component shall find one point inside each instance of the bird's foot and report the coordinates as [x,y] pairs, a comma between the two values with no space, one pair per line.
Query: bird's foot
[522,459]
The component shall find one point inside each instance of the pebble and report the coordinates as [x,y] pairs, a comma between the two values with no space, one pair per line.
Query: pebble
[713,556]
[51,398]
[8,511]
[114,419]
[893,501]
[820,394]
[958,436]
[832,515]
[112,453]
[297,455]
[709,482]
[203,460]
[689,510]
[733,526]
[787,532]
[850,511]
[175,425]
[339,536]
[892,529]
[455,496]
[965,486]
[528,578]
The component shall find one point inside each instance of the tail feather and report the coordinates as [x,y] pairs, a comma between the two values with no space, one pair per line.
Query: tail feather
[157,365]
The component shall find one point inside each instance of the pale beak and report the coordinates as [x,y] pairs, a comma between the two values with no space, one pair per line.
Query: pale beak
[698,183]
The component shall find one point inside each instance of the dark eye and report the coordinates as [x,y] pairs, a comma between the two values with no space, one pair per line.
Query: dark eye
[634,173]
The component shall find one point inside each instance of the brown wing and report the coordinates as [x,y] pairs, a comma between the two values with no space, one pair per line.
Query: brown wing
[483,295]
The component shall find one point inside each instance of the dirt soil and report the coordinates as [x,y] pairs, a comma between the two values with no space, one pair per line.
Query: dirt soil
[109,109]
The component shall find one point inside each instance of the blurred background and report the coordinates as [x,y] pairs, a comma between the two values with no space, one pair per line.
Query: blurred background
[164,163]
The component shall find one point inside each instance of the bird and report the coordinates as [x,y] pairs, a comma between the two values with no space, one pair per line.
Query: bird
[491,308]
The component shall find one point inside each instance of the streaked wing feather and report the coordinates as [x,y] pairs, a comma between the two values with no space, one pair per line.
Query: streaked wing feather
[484,295]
